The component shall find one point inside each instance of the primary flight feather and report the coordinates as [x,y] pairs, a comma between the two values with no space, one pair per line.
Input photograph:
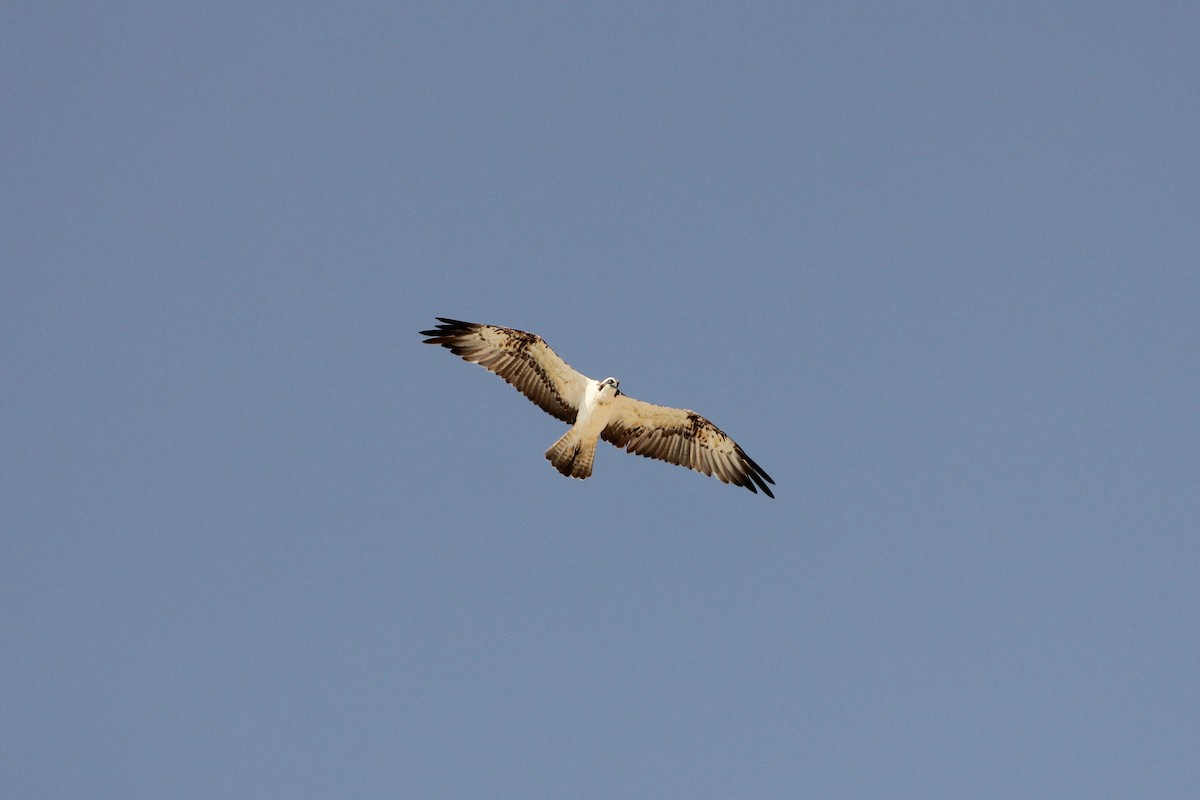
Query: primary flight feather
[597,409]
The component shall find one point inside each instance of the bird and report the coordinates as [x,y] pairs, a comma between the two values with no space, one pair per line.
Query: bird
[598,409]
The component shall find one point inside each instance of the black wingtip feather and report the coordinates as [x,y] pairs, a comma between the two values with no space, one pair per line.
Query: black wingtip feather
[448,328]
[761,485]
[755,475]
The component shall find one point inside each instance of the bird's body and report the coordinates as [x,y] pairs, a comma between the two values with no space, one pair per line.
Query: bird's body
[597,409]
[572,455]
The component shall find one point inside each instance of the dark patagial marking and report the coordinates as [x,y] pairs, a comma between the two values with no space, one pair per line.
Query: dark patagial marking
[522,339]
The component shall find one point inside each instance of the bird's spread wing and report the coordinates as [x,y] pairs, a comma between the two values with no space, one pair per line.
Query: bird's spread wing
[521,358]
[682,437]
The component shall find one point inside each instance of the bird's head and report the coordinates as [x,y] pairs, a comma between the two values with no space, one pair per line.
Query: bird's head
[614,383]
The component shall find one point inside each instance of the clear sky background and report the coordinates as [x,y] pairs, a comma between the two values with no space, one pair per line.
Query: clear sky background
[936,267]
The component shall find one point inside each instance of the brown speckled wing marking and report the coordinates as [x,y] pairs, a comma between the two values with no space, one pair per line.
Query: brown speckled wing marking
[682,437]
[521,358]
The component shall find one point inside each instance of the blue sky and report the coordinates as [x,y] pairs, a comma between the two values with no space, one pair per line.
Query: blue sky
[934,267]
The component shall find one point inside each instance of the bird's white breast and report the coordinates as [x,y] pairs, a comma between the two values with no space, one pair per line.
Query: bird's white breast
[595,409]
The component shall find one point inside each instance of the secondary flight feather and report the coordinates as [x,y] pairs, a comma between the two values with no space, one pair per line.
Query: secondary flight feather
[598,409]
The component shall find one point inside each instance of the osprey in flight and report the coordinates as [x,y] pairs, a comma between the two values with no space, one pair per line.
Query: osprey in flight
[597,409]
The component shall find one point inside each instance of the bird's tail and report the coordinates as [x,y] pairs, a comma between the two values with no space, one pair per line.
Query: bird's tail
[572,456]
